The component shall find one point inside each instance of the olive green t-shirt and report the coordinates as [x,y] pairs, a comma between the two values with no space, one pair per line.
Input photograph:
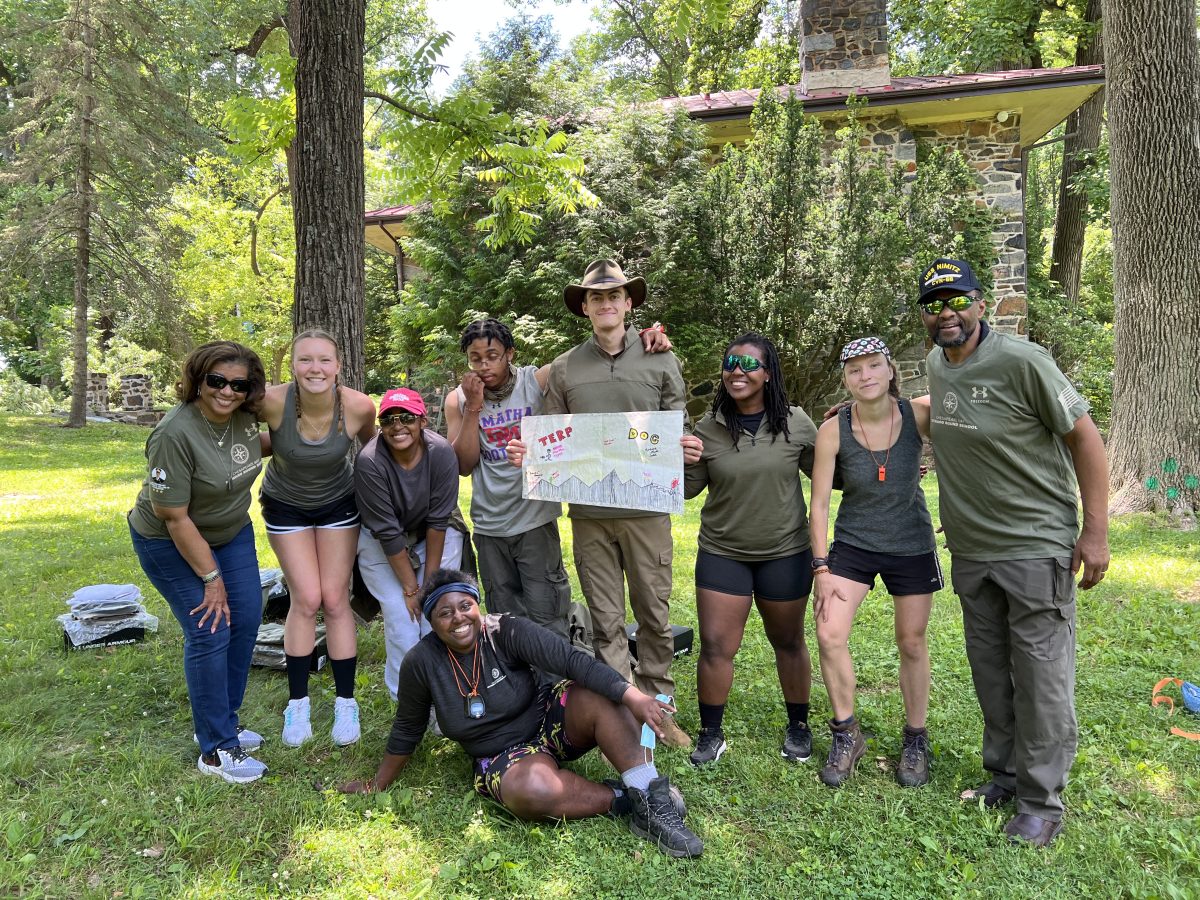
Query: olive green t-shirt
[185,467]
[755,506]
[1006,481]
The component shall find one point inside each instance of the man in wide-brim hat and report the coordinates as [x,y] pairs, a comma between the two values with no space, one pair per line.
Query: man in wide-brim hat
[612,372]
[603,275]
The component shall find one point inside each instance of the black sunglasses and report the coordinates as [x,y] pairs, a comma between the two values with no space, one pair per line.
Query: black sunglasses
[217,382]
[741,361]
[400,418]
[958,303]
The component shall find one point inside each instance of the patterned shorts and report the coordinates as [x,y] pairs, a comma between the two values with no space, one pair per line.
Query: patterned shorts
[551,739]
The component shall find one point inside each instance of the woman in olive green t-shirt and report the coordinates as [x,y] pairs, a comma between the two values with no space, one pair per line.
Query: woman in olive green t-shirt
[192,534]
[753,542]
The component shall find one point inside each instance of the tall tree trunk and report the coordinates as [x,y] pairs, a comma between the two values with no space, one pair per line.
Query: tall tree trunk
[85,108]
[1083,136]
[1153,67]
[328,179]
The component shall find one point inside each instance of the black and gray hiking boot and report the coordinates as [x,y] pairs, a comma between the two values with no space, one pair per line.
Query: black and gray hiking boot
[848,748]
[655,818]
[913,770]
[623,803]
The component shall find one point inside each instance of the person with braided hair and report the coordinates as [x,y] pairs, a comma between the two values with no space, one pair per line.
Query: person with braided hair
[308,504]
[517,540]
[753,541]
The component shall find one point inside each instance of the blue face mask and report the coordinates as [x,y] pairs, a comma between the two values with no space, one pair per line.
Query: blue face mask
[1191,696]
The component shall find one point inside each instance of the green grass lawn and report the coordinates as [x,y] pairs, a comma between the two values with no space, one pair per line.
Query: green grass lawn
[102,797]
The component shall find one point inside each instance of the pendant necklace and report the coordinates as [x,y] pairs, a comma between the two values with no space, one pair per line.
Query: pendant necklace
[473,705]
[220,440]
[882,467]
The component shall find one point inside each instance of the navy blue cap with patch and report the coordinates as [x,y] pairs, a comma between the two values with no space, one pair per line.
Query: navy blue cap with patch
[948,275]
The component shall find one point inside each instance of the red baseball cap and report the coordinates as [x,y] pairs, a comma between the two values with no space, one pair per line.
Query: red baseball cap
[402,398]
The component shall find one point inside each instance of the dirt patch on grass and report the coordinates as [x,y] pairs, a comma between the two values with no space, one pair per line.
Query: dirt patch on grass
[1189,594]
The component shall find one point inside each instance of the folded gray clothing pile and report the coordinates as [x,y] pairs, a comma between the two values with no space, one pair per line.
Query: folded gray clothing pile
[106,602]
[100,610]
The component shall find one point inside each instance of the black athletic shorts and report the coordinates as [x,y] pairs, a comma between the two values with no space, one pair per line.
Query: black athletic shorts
[786,578]
[283,518]
[902,575]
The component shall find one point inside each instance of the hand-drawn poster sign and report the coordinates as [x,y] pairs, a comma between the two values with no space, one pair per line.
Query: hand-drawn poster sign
[627,460]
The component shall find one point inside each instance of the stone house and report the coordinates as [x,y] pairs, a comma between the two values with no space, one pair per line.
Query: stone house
[993,119]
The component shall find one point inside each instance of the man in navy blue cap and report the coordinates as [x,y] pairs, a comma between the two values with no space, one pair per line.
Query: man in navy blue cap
[1012,438]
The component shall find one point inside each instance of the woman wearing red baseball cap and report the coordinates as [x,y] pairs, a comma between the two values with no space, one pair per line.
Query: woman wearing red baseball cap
[406,483]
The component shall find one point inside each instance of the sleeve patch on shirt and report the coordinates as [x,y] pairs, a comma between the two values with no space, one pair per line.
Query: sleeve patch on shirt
[1069,398]
[158,479]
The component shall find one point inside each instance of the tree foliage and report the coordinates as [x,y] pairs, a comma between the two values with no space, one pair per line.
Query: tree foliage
[811,237]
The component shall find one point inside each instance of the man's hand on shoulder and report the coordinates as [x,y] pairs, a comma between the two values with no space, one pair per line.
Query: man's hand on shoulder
[654,339]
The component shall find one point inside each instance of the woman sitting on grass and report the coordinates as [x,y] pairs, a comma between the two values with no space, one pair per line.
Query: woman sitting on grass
[479,674]
[884,529]
[192,534]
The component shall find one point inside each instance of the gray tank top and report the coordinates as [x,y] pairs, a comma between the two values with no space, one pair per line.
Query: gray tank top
[886,516]
[304,474]
[497,507]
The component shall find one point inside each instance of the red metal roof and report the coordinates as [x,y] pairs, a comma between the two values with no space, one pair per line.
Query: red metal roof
[393,213]
[910,87]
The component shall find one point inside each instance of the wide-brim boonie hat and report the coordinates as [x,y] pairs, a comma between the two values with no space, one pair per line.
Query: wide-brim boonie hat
[602,275]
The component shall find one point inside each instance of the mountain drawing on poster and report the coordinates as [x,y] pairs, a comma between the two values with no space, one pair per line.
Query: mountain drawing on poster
[630,460]
[611,491]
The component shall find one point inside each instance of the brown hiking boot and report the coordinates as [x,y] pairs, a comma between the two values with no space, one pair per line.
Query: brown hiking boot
[848,748]
[913,770]
[674,736]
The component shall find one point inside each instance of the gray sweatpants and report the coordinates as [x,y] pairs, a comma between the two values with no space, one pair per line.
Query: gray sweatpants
[523,574]
[1019,623]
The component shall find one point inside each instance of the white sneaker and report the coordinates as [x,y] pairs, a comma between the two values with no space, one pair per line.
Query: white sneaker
[296,726]
[250,740]
[346,729]
[232,765]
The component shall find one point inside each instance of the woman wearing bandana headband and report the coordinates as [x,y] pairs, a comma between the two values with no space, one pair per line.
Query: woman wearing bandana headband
[882,528]
[480,675]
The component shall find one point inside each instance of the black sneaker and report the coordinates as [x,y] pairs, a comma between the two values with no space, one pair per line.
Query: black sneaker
[797,743]
[913,770]
[623,804]
[710,744]
[655,818]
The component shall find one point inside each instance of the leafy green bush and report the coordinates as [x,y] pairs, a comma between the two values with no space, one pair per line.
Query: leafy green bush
[811,237]
[19,396]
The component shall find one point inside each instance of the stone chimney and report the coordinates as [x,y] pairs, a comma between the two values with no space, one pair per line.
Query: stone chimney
[845,44]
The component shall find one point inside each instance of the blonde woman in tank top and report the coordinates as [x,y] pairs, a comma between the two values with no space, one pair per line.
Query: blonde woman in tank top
[308,505]
[883,529]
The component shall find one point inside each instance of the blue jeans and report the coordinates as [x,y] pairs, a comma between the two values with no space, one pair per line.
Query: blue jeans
[215,665]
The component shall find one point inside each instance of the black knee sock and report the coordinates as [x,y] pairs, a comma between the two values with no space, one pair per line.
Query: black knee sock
[343,676]
[712,715]
[797,713]
[297,669]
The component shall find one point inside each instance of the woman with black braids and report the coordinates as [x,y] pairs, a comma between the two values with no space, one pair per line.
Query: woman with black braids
[754,542]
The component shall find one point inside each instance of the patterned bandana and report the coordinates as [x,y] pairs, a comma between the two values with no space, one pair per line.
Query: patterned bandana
[505,390]
[864,347]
